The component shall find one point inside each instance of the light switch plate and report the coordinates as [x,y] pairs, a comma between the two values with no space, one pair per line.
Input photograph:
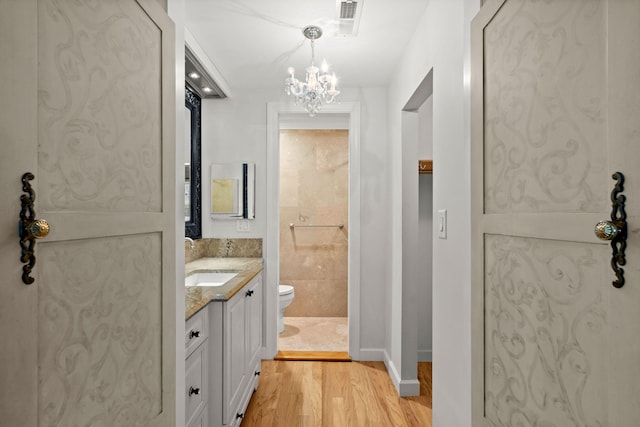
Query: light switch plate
[442,224]
[243,225]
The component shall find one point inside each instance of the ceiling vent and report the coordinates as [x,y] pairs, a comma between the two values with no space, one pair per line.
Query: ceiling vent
[348,9]
[349,12]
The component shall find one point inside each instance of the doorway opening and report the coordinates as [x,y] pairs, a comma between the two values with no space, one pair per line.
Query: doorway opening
[417,226]
[320,255]
[314,236]
[425,231]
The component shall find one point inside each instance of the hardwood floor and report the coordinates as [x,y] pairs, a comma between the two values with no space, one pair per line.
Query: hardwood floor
[338,394]
[325,356]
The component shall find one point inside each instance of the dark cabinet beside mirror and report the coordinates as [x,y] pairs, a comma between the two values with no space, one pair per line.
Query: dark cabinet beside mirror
[192,167]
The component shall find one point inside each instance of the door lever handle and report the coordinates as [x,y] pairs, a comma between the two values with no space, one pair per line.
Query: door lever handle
[29,228]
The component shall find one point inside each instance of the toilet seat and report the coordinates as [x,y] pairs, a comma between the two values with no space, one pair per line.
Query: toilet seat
[285,289]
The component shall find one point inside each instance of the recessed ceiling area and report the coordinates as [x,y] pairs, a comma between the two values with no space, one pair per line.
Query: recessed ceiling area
[198,78]
[253,43]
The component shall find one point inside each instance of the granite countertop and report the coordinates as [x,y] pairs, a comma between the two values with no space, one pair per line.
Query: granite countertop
[197,297]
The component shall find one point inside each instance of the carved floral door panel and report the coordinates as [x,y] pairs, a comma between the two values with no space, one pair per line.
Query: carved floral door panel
[92,340]
[555,112]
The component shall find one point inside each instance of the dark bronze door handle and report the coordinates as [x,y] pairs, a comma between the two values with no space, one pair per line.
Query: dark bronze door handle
[29,228]
[615,230]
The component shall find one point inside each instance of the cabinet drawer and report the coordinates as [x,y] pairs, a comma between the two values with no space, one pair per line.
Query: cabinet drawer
[196,331]
[196,390]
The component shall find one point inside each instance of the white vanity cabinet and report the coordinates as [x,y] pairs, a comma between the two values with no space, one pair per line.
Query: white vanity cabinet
[253,336]
[235,347]
[197,366]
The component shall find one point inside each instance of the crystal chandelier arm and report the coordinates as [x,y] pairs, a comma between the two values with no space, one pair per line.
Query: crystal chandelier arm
[298,89]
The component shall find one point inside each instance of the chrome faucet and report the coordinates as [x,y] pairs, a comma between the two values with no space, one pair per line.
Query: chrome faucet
[191,242]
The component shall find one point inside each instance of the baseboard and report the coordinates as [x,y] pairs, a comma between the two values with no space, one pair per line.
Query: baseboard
[371,355]
[403,387]
[268,354]
[425,356]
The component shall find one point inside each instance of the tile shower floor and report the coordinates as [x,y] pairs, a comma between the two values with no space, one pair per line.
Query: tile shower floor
[314,334]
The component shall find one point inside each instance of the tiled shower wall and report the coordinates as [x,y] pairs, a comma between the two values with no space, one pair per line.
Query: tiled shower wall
[314,177]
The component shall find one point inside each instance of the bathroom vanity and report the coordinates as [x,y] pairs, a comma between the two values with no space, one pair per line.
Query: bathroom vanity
[223,339]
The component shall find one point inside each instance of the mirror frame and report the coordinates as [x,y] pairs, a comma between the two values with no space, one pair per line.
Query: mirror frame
[193,228]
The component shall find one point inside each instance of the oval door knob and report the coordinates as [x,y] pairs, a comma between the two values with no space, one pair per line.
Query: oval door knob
[607,230]
[38,228]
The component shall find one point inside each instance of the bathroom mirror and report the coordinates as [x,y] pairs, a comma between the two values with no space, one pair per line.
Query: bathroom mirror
[192,166]
[233,190]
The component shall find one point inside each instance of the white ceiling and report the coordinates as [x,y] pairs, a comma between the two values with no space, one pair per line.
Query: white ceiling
[253,42]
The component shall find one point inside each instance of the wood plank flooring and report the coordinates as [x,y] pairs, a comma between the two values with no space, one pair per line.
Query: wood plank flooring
[335,394]
[325,356]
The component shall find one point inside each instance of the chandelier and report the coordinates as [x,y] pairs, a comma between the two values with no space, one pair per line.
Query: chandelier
[319,87]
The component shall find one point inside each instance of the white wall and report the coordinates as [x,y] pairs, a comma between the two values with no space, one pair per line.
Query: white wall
[425,129]
[440,42]
[235,129]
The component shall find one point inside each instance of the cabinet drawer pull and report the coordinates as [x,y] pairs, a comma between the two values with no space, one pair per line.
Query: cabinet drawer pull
[239,415]
[194,334]
[256,373]
[194,390]
[249,293]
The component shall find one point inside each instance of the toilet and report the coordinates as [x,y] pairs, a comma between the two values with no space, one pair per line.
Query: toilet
[285,297]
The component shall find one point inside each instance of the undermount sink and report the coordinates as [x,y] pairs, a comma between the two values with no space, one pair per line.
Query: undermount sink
[209,278]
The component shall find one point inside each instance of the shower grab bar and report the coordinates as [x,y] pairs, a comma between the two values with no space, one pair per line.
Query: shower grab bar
[292,226]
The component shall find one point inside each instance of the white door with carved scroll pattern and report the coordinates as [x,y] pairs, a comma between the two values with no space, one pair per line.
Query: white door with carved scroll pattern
[555,113]
[88,90]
